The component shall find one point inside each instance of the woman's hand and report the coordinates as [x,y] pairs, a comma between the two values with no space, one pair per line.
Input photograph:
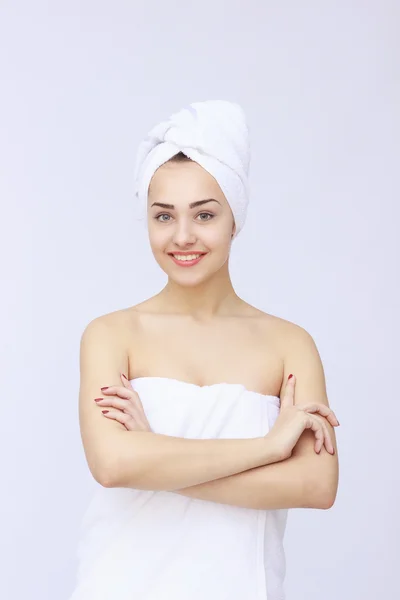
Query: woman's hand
[126,406]
[293,419]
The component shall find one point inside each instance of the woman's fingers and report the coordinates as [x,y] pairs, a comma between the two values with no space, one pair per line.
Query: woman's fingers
[129,394]
[323,438]
[118,415]
[114,401]
[324,410]
[312,424]
[288,395]
[132,423]
[319,435]
[119,390]
[126,407]
[128,384]
[139,406]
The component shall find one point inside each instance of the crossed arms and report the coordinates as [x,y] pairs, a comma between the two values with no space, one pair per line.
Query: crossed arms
[237,472]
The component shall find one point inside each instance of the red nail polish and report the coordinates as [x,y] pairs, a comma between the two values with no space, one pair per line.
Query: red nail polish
[291,375]
[105,388]
[105,412]
[98,399]
[123,375]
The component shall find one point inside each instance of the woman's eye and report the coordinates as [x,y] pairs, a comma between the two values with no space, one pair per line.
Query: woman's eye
[162,215]
[208,214]
[167,215]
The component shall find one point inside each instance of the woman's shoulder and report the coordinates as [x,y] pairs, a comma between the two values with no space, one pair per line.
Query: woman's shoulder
[124,322]
[127,321]
[273,323]
[118,322]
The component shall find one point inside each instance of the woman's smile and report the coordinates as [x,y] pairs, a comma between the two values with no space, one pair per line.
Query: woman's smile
[186,260]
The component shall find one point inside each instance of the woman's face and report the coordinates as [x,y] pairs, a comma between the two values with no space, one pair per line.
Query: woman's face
[179,227]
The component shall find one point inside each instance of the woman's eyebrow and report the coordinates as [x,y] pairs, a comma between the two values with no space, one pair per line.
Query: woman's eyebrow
[191,205]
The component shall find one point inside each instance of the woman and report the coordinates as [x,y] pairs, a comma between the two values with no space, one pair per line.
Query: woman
[203,419]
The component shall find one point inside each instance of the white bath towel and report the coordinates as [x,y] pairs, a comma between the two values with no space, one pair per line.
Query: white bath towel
[161,545]
[215,134]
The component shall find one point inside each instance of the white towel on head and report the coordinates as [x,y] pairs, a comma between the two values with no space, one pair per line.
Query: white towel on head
[215,134]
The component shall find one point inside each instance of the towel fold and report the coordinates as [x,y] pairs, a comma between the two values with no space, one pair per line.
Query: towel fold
[214,133]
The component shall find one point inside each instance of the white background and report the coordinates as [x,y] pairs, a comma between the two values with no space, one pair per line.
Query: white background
[81,84]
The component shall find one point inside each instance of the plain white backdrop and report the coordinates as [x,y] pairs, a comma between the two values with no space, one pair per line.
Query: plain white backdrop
[81,84]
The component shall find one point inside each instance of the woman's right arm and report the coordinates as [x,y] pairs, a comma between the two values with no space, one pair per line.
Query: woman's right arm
[152,461]
[140,459]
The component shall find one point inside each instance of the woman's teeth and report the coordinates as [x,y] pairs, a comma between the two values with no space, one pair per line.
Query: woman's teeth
[187,257]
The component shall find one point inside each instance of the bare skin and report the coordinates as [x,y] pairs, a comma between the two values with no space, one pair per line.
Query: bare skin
[241,347]
[198,330]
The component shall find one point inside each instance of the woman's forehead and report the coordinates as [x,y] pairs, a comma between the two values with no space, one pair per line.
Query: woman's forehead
[184,185]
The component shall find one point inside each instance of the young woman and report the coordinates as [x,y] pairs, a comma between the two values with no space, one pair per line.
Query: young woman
[203,419]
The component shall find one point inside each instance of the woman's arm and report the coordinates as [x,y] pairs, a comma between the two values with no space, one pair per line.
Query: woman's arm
[151,461]
[141,459]
[297,482]
[306,479]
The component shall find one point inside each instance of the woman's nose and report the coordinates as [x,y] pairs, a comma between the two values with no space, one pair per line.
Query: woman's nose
[184,235]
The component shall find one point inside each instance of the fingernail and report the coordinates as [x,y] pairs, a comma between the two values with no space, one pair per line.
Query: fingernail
[291,375]
[333,451]
[124,375]
[105,411]
[105,388]
[98,399]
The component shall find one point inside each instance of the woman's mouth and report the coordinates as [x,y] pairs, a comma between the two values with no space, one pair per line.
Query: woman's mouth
[186,260]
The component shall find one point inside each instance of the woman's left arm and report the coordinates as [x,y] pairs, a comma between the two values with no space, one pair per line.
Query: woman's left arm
[306,479]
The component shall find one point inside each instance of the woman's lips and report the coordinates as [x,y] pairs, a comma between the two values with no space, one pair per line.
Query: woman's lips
[187,263]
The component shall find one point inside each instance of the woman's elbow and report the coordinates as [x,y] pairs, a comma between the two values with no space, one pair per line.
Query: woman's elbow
[104,472]
[321,493]
[328,499]
[324,495]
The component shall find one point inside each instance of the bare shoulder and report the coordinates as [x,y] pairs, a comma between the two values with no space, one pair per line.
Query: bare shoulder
[285,335]
[118,324]
[282,331]
[299,354]
[293,337]
[124,323]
